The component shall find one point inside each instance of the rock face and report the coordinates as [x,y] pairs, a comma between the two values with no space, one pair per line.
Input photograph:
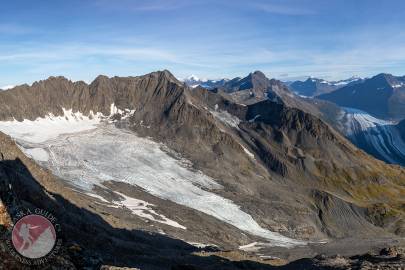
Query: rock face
[382,96]
[257,87]
[286,168]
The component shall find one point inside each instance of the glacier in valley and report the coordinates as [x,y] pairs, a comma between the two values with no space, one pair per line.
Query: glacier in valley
[378,137]
[94,151]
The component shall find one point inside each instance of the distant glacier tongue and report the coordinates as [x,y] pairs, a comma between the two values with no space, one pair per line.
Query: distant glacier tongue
[104,153]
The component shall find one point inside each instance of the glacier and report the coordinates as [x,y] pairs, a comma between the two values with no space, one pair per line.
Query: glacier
[87,151]
[376,136]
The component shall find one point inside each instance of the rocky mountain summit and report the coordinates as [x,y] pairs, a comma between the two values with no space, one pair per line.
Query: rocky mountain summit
[246,168]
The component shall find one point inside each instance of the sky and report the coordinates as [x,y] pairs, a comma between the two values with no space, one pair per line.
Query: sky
[286,39]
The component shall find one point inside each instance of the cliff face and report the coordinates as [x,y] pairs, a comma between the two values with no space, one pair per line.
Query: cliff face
[285,167]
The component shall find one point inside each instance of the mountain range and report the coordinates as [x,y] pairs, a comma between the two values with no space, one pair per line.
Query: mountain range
[154,166]
[315,87]
[382,96]
[193,81]
[373,131]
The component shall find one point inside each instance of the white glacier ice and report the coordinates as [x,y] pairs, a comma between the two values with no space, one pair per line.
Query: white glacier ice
[88,152]
[379,135]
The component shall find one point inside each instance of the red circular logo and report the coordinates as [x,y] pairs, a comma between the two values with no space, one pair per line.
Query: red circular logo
[33,236]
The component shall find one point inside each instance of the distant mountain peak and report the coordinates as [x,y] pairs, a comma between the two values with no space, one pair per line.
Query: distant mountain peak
[258,73]
[314,86]
[381,95]
[194,78]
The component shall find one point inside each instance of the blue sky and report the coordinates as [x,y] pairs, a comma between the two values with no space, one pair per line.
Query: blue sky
[286,39]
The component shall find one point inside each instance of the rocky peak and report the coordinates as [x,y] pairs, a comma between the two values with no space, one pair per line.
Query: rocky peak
[165,76]
[387,80]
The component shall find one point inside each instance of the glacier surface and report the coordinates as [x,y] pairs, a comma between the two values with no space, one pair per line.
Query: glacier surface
[93,152]
[376,136]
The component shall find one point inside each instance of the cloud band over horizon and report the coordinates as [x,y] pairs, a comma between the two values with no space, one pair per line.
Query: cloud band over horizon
[212,39]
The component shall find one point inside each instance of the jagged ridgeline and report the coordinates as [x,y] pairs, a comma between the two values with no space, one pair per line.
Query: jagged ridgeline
[251,160]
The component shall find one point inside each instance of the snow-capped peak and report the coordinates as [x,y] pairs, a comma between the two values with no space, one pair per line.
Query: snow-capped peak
[194,78]
[335,83]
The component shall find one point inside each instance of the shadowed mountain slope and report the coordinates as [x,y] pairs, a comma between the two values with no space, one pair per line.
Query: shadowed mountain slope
[285,167]
[382,96]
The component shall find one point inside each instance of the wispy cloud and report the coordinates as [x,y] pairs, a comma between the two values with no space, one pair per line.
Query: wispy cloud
[142,5]
[283,8]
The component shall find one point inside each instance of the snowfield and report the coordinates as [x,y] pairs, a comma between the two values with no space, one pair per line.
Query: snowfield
[88,152]
[43,129]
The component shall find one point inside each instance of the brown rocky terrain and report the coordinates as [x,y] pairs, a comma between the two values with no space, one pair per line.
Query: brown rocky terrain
[289,170]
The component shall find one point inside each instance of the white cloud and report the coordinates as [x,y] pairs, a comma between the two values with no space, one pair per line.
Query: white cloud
[6,87]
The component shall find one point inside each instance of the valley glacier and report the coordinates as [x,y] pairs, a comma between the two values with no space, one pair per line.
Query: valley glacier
[376,136]
[94,151]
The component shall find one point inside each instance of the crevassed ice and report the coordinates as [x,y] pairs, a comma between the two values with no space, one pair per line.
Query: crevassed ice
[379,134]
[103,153]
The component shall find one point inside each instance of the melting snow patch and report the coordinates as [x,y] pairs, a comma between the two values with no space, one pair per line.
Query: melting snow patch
[97,197]
[200,245]
[250,247]
[250,154]
[397,85]
[144,210]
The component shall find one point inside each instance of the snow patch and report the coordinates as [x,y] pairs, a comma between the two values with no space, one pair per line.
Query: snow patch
[96,196]
[399,85]
[252,247]
[201,245]
[226,118]
[144,210]
[250,154]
